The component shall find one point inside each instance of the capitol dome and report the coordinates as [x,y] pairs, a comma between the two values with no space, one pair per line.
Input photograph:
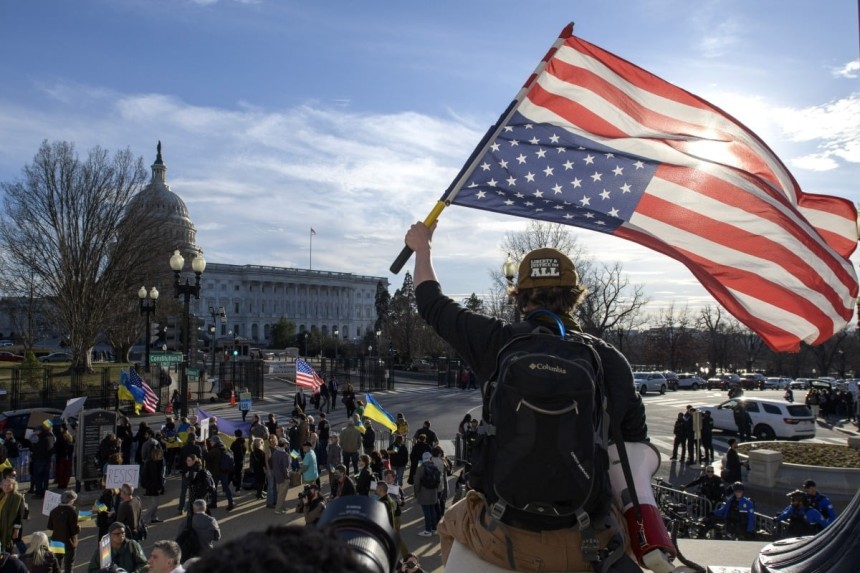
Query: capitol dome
[157,199]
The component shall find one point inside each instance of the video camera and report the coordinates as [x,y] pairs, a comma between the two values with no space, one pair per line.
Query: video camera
[362,524]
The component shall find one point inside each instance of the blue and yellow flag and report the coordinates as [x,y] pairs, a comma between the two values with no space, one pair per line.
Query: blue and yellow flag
[377,413]
[58,548]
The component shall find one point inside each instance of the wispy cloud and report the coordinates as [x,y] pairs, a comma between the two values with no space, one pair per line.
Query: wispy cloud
[849,70]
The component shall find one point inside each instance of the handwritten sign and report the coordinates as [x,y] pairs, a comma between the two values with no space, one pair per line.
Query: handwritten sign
[245,401]
[118,475]
[52,500]
[204,430]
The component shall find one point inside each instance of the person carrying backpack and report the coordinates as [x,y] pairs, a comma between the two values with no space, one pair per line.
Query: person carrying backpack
[548,490]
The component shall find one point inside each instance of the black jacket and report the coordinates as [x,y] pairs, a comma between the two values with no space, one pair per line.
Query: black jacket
[478,338]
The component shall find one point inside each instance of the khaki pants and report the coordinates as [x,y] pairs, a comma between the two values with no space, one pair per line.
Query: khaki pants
[281,490]
[533,551]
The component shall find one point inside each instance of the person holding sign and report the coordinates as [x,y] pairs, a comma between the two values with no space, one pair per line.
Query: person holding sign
[124,553]
[63,523]
[244,402]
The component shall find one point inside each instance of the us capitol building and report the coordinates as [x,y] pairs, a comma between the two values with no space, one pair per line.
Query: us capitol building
[255,297]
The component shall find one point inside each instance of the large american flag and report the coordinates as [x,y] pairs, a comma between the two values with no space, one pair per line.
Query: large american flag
[150,400]
[306,377]
[596,142]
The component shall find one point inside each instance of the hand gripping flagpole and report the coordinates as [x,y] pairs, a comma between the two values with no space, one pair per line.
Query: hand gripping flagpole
[470,165]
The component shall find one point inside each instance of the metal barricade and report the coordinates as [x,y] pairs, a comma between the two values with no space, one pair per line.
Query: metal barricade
[697,506]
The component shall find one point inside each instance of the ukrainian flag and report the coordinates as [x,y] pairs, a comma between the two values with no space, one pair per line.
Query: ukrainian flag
[128,391]
[58,548]
[377,413]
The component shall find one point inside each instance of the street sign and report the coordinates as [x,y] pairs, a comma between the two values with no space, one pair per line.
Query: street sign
[193,373]
[165,357]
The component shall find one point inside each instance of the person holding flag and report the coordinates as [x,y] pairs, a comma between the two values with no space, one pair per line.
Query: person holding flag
[373,410]
[306,376]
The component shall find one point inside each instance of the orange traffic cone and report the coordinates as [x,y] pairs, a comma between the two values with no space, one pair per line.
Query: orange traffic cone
[232,397]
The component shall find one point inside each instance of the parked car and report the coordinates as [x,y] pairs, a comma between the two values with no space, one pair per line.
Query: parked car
[4,343]
[56,357]
[800,384]
[19,421]
[650,382]
[770,418]
[10,357]
[753,381]
[777,383]
[723,381]
[690,382]
[671,379]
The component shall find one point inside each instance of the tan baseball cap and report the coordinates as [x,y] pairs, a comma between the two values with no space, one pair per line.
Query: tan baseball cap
[546,268]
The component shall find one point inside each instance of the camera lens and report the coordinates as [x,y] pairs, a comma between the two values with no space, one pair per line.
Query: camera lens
[362,523]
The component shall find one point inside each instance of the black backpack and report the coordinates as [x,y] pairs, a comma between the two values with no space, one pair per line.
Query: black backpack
[431,477]
[540,457]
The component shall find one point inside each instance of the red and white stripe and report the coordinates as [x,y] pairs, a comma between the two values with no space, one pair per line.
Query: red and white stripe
[721,202]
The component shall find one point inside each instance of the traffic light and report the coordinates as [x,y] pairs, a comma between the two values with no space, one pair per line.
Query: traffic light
[172,334]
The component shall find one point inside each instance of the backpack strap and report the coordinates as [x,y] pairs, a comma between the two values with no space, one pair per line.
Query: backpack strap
[562,330]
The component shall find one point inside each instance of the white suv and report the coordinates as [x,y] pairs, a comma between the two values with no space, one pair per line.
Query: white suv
[650,382]
[770,418]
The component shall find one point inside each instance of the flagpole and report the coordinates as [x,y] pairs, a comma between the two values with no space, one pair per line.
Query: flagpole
[310,248]
[471,163]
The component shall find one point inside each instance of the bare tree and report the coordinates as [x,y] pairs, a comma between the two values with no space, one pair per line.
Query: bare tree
[672,338]
[73,224]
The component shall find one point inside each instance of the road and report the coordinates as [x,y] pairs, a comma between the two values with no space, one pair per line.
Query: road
[445,408]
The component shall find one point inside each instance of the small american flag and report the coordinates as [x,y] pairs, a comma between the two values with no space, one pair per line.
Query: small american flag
[306,377]
[150,400]
[593,141]
[313,232]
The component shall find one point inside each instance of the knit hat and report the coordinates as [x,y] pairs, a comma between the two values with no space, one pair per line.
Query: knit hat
[546,268]
[427,457]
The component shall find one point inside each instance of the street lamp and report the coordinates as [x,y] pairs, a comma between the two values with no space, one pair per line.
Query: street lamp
[335,332]
[147,308]
[509,270]
[185,292]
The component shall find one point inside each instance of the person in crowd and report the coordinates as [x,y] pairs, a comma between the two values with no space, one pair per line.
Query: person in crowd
[737,512]
[238,449]
[38,557]
[395,492]
[402,429]
[377,463]
[464,425]
[188,449]
[690,431]
[244,405]
[300,401]
[680,432]
[314,505]
[348,400]
[12,509]
[125,553]
[106,506]
[332,391]
[176,401]
[41,453]
[428,433]
[152,480]
[143,433]
[342,484]
[308,467]
[444,466]
[150,442]
[707,437]
[165,557]
[271,423]
[325,401]
[334,454]
[271,489]
[789,395]
[257,463]
[323,439]
[221,473]
[398,453]
[207,528]
[381,492]
[13,448]
[732,470]
[129,510]
[125,436]
[350,443]
[258,429]
[419,448]
[364,478]
[200,482]
[427,498]
[410,564]
[743,421]
[64,453]
[368,440]
[819,502]
[279,465]
[171,443]
[801,519]
[64,526]
[710,486]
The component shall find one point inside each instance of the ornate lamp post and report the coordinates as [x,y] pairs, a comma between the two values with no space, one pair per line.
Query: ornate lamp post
[509,270]
[185,292]
[335,332]
[147,309]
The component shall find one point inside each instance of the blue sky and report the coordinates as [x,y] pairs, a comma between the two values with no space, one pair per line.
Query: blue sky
[353,117]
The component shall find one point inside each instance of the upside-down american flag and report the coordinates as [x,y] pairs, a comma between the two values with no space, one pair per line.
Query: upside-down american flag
[593,141]
[306,377]
[150,400]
